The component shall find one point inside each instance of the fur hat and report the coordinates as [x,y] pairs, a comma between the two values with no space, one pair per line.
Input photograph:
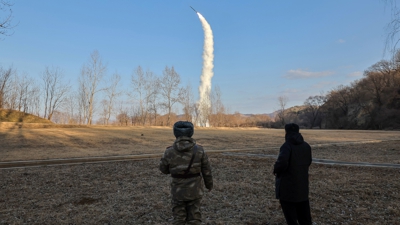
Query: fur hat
[292,128]
[183,128]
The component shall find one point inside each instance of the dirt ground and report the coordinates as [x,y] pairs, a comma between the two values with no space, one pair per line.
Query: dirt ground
[376,152]
[135,192]
[52,143]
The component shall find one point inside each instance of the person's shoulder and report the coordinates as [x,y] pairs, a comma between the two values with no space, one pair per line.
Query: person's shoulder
[200,148]
[306,144]
[286,144]
[169,149]
[169,152]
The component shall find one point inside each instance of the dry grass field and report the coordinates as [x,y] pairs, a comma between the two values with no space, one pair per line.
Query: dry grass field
[135,192]
[58,142]
[15,116]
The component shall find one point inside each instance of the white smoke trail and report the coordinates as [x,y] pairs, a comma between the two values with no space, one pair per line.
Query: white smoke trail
[207,72]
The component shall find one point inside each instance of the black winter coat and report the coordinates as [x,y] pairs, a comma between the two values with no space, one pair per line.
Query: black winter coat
[291,169]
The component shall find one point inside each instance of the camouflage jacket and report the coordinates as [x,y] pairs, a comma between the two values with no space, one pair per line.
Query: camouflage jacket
[175,161]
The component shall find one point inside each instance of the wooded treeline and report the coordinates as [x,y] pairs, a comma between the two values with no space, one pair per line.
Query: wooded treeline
[99,97]
[372,102]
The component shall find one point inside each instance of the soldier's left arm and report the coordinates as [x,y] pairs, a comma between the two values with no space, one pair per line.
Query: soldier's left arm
[164,164]
[206,171]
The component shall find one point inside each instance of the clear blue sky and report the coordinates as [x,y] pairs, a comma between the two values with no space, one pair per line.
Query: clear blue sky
[263,49]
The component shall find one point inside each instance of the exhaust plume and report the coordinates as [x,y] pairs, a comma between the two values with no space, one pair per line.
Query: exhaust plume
[207,73]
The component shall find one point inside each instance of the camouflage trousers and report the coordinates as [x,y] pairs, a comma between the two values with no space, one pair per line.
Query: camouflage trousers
[186,212]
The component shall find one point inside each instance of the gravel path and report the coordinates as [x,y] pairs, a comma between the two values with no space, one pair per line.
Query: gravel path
[237,152]
[323,161]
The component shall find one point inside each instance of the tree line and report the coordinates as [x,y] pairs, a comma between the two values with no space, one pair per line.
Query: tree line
[99,98]
[372,102]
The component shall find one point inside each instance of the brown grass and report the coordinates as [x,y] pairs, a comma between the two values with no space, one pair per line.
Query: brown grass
[379,152]
[135,192]
[8,115]
[58,142]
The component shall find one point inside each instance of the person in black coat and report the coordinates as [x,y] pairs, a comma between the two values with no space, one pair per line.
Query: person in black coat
[291,177]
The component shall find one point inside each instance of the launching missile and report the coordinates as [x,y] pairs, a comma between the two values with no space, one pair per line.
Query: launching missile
[193,9]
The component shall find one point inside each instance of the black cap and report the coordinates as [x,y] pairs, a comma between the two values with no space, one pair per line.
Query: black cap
[292,128]
[183,128]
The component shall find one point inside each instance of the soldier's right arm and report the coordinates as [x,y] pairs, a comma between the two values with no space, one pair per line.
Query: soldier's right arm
[206,171]
[164,164]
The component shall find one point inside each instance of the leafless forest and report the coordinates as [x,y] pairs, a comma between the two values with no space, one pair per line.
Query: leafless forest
[372,102]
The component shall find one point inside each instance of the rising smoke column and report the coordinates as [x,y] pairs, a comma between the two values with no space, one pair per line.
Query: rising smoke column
[207,73]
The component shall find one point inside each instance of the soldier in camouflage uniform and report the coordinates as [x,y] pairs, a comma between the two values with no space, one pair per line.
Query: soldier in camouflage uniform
[188,165]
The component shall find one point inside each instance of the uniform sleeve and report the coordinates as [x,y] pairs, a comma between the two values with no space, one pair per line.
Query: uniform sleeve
[206,171]
[282,162]
[164,164]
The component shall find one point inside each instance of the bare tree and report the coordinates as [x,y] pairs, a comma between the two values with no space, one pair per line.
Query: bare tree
[11,95]
[396,66]
[153,87]
[338,106]
[138,82]
[34,101]
[282,102]
[70,106]
[169,89]
[218,108]
[187,101]
[23,88]
[111,94]
[83,105]
[237,119]
[55,90]
[393,27]
[145,86]
[91,75]
[5,19]
[60,117]
[23,95]
[387,70]
[341,98]
[313,109]
[358,96]
[135,117]
[123,118]
[5,76]
[376,87]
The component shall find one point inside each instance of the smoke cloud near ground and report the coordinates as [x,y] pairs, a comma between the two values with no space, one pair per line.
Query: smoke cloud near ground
[207,73]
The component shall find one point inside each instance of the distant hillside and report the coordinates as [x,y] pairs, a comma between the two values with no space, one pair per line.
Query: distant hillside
[272,115]
[7,115]
[294,109]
